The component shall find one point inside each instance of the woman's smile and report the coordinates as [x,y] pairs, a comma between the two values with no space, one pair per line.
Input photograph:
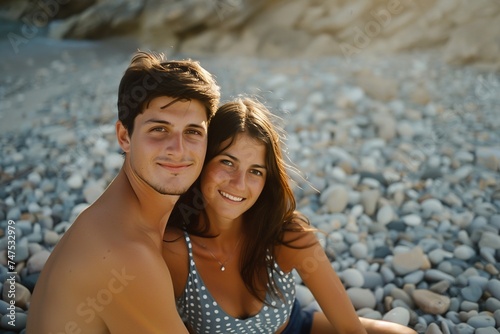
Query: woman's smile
[231,197]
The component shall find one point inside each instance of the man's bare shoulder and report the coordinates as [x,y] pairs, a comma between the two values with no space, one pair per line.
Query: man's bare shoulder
[96,242]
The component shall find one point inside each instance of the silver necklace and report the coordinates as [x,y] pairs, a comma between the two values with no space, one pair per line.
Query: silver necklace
[222,264]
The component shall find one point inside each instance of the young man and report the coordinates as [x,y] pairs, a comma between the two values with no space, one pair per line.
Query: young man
[107,274]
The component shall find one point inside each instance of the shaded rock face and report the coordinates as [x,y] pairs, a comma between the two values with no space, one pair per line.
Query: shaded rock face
[462,30]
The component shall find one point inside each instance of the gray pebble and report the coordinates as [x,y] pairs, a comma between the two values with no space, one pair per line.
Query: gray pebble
[464,329]
[490,240]
[428,244]
[496,315]
[431,206]
[399,315]
[402,295]
[492,304]
[493,287]
[352,278]
[445,326]
[359,250]
[487,330]
[22,252]
[472,293]
[455,304]
[385,214]
[436,256]
[488,254]
[495,220]
[479,281]
[412,220]
[387,274]
[440,287]
[14,214]
[481,320]
[381,252]
[467,306]
[433,329]
[414,277]
[372,280]
[437,275]
[361,298]
[453,316]
[485,209]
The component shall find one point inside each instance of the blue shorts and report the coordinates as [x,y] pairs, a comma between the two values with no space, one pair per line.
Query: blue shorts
[300,321]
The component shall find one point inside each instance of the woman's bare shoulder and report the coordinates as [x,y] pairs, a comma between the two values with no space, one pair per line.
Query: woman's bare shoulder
[298,239]
[298,232]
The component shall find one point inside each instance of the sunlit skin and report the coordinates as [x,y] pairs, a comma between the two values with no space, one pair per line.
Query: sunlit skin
[170,145]
[233,180]
[106,274]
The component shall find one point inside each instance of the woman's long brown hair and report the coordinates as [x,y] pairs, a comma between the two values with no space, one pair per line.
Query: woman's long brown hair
[266,221]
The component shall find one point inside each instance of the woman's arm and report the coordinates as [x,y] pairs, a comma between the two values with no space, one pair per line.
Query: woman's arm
[306,255]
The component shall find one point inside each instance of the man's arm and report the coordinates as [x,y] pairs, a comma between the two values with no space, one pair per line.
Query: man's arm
[141,293]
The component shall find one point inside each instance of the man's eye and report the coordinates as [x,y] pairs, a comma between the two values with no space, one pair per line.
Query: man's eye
[193,132]
[159,129]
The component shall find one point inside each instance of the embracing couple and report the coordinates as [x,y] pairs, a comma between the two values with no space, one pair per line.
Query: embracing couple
[198,232]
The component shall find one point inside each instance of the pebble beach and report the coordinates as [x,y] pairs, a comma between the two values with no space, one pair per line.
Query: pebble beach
[395,159]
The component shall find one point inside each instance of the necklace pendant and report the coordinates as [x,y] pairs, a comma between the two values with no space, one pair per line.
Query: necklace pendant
[222,268]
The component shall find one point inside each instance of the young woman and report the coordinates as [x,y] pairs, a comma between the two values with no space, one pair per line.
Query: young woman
[235,237]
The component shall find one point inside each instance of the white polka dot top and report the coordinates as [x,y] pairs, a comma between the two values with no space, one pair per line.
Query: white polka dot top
[199,309]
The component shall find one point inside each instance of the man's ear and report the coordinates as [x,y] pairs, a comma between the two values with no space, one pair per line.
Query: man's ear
[122,136]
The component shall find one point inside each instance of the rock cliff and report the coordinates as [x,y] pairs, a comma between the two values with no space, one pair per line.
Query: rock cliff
[463,31]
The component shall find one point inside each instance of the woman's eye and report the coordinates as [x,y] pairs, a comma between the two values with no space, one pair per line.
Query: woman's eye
[256,172]
[226,162]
